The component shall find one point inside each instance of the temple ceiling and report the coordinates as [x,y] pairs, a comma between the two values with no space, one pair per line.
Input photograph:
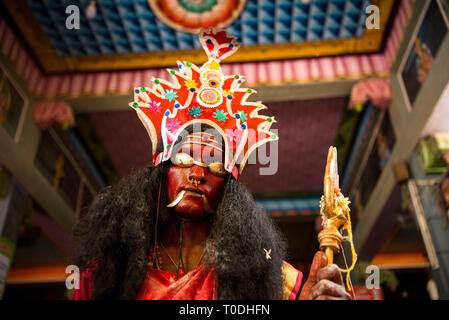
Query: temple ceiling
[141,34]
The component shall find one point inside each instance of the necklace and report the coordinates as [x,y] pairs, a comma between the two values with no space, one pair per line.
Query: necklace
[168,255]
[158,257]
[159,261]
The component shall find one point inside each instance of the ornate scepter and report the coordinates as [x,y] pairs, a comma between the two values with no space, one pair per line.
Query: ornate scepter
[334,209]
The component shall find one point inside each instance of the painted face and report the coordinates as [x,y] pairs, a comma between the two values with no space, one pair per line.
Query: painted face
[197,181]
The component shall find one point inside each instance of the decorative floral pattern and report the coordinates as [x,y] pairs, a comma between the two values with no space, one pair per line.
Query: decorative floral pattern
[154,106]
[191,84]
[195,112]
[209,97]
[171,95]
[220,115]
[173,125]
[193,15]
[233,135]
[243,116]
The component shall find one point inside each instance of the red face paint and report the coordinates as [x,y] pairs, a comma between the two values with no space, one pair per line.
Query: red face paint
[191,206]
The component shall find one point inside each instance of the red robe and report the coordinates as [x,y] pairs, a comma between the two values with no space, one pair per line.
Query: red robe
[198,284]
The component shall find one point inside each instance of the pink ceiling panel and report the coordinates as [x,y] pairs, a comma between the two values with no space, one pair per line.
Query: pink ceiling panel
[124,138]
[306,130]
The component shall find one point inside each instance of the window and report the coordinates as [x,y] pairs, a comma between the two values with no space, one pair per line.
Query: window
[378,158]
[57,169]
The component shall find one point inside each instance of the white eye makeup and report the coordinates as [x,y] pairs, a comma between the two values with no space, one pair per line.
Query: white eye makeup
[184,160]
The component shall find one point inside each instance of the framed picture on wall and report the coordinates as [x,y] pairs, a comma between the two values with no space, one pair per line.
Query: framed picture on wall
[422,51]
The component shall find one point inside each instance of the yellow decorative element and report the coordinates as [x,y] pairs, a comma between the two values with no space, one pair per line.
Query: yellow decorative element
[191,84]
[214,65]
[267,253]
[290,276]
[210,97]
[65,125]
[228,93]
[358,106]
[208,75]
[348,227]
[59,171]
[370,41]
[334,209]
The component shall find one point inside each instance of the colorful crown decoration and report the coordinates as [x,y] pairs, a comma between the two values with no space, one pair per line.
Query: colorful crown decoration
[204,95]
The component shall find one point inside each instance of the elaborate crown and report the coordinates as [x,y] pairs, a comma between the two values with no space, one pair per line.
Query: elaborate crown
[204,95]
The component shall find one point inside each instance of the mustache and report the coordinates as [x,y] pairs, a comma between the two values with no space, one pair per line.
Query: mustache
[181,194]
[193,190]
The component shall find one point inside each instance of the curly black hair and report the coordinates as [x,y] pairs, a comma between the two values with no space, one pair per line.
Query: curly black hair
[119,229]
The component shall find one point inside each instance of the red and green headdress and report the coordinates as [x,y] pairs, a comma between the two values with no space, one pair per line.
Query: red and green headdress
[204,95]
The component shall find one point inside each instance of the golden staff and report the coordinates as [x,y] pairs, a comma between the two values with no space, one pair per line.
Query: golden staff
[334,209]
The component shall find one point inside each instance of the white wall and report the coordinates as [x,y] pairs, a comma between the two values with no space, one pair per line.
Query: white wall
[439,119]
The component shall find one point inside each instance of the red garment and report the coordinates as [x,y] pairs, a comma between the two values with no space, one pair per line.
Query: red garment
[198,284]
[86,282]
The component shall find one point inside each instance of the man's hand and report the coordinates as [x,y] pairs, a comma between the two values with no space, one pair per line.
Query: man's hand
[324,282]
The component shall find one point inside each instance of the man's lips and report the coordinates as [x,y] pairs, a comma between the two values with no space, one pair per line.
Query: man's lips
[192,195]
[193,190]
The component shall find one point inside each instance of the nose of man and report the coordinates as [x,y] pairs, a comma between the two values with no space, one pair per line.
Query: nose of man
[197,173]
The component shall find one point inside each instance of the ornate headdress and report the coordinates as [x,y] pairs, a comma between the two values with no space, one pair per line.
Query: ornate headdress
[204,95]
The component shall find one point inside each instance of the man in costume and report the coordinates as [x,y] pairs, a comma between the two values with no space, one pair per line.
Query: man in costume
[185,228]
